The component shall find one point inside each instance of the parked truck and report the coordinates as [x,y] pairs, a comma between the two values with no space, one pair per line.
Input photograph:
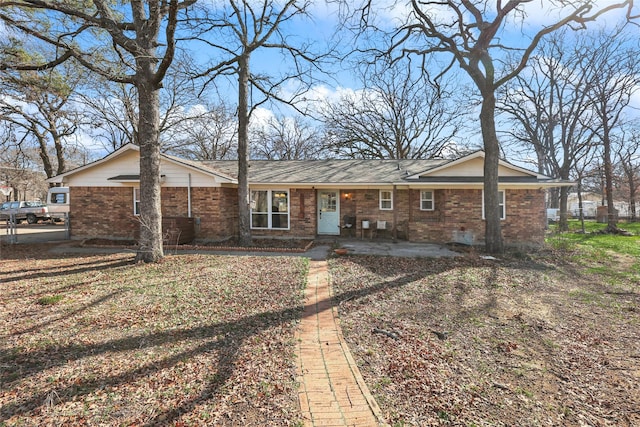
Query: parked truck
[58,202]
[32,212]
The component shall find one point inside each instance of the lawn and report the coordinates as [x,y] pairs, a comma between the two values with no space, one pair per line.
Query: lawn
[546,338]
[193,340]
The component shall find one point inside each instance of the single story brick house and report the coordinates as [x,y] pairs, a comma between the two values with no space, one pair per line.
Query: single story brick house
[417,200]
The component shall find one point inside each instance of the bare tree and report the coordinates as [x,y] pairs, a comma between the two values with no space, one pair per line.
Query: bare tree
[131,43]
[468,34]
[615,67]
[113,113]
[208,133]
[629,170]
[549,109]
[395,116]
[237,29]
[40,106]
[113,107]
[286,138]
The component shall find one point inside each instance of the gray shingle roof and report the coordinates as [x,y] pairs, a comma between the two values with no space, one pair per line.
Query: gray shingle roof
[330,171]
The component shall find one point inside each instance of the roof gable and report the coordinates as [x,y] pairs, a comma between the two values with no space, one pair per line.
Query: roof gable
[472,166]
[127,160]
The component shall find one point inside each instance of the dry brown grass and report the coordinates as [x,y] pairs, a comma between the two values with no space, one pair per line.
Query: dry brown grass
[193,340]
[528,342]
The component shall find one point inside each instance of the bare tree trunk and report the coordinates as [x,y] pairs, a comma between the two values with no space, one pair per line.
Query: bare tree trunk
[57,143]
[244,225]
[563,225]
[608,178]
[150,249]
[554,198]
[493,233]
[564,209]
[580,208]
[42,152]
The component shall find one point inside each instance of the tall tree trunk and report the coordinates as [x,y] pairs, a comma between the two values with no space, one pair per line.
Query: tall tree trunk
[564,209]
[59,148]
[554,198]
[150,249]
[564,196]
[608,180]
[493,232]
[42,152]
[244,225]
[580,207]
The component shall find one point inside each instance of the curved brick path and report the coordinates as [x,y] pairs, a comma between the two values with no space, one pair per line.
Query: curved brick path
[332,391]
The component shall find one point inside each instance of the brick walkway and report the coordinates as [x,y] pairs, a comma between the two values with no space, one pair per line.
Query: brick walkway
[332,391]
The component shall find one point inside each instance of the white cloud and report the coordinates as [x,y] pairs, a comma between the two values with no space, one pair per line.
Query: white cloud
[260,117]
[542,13]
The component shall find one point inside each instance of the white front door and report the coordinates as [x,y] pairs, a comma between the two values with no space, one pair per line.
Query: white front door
[329,212]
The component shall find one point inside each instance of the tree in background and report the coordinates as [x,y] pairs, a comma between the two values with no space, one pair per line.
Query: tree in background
[615,69]
[40,107]
[236,30]
[133,43]
[286,138]
[395,116]
[628,170]
[113,107]
[207,132]
[472,35]
[548,110]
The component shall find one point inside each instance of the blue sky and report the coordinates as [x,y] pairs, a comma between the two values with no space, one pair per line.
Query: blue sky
[517,32]
[321,29]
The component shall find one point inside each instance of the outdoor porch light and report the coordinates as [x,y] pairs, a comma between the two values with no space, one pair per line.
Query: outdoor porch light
[347,196]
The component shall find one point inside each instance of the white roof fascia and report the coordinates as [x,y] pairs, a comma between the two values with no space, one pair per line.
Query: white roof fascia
[471,157]
[176,160]
[505,185]
[447,165]
[118,152]
[131,146]
[333,186]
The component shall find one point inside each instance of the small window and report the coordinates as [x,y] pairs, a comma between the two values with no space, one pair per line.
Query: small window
[58,198]
[136,201]
[386,200]
[501,203]
[426,200]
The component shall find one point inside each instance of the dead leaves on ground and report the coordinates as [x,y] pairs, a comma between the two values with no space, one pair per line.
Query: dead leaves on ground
[527,343]
[194,340]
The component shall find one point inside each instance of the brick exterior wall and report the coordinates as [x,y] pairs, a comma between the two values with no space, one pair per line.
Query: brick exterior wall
[216,212]
[455,210]
[102,212]
[526,218]
[108,212]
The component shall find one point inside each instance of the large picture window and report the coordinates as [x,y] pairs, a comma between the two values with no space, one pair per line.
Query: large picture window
[426,200]
[501,202]
[386,200]
[270,209]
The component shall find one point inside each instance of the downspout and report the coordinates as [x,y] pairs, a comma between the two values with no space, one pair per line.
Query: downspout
[189,196]
[394,231]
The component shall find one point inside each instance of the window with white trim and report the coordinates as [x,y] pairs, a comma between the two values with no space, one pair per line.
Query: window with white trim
[270,209]
[136,201]
[501,203]
[386,200]
[426,200]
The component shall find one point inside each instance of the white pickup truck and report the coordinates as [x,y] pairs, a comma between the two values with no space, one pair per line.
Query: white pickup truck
[32,212]
[58,202]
